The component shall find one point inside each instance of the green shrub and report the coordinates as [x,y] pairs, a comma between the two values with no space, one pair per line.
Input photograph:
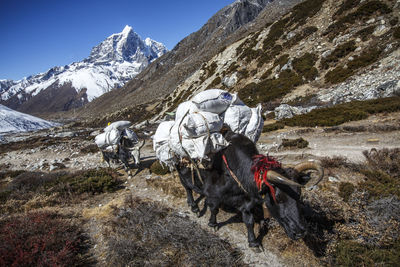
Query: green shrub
[300,36]
[338,75]
[273,127]
[270,89]
[396,33]
[298,143]
[351,253]
[345,6]
[382,173]
[339,52]
[345,190]
[364,12]
[304,66]
[90,181]
[338,114]
[365,33]
[394,21]
[304,10]
[364,59]
[215,82]
[158,169]
[268,55]
[282,60]
[275,32]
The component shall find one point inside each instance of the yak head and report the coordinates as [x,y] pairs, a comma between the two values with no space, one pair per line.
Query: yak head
[286,206]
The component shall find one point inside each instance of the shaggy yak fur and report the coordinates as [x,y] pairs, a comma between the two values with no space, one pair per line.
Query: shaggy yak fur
[222,191]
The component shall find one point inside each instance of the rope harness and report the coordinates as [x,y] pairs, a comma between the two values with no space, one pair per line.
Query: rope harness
[233,175]
[261,165]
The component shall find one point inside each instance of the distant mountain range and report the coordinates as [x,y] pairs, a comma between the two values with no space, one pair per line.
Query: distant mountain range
[110,65]
[14,121]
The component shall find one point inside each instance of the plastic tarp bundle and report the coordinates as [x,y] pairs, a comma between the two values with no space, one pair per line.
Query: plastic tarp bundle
[195,133]
[118,125]
[200,123]
[256,123]
[214,100]
[108,138]
[237,117]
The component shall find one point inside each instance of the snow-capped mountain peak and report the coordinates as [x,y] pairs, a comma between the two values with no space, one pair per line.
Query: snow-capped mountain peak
[112,63]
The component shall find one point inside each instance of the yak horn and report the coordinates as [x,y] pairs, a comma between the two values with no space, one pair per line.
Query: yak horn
[277,178]
[311,165]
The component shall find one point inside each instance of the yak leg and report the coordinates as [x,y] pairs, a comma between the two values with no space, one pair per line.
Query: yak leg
[248,219]
[185,174]
[189,196]
[214,209]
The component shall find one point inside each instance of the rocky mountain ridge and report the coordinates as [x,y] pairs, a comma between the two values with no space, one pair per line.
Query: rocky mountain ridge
[301,58]
[110,65]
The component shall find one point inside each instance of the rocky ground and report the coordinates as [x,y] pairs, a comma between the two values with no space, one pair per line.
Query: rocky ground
[74,150]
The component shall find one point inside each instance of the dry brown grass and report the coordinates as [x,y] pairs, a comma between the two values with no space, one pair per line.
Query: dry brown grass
[146,233]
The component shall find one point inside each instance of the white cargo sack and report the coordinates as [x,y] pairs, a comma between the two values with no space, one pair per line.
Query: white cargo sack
[200,123]
[183,108]
[237,117]
[256,123]
[108,138]
[165,155]
[118,125]
[161,136]
[213,100]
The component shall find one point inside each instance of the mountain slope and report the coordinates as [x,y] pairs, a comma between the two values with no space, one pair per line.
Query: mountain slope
[303,53]
[14,121]
[160,79]
[110,65]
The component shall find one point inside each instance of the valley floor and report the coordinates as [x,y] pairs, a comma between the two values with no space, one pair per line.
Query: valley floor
[74,150]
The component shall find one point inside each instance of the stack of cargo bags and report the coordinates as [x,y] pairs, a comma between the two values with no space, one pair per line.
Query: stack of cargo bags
[110,139]
[195,133]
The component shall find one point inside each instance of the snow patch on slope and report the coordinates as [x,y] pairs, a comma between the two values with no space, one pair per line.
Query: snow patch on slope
[14,121]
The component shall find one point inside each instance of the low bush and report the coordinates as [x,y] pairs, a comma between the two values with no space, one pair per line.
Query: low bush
[382,173]
[158,169]
[273,127]
[345,190]
[304,66]
[298,143]
[64,184]
[352,253]
[338,75]
[396,33]
[365,33]
[339,52]
[270,89]
[338,114]
[149,234]
[41,239]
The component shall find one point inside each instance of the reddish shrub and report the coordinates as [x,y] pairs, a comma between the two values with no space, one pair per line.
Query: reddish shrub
[39,239]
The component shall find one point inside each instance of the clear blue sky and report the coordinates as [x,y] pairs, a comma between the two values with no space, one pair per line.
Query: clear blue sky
[39,34]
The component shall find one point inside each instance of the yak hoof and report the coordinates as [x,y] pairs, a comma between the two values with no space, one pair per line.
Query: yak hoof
[195,209]
[254,244]
[256,249]
[213,225]
[129,177]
